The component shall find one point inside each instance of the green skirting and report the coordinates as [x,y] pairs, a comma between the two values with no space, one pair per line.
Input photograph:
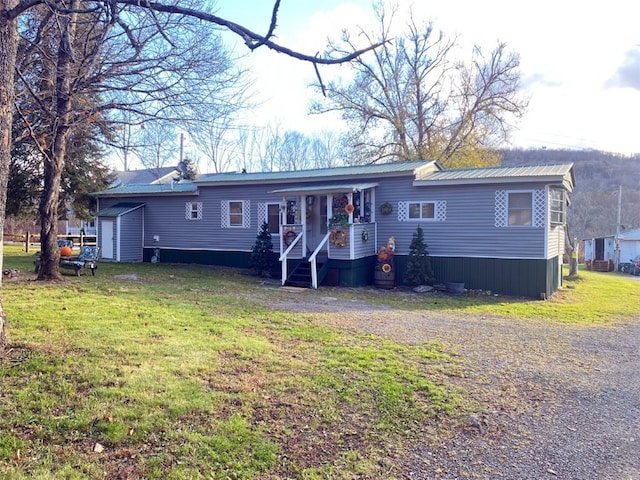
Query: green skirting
[201,257]
[522,278]
[515,277]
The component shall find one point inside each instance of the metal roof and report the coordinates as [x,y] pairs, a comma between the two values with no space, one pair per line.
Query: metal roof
[340,187]
[183,187]
[118,209]
[146,175]
[562,173]
[318,173]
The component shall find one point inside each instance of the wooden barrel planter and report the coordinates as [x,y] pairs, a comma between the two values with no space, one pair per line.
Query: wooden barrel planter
[384,280]
[384,275]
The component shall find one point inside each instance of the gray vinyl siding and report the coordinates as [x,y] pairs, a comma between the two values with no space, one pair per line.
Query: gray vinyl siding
[556,241]
[130,229]
[164,217]
[468,231]
[361,248]
[469,228]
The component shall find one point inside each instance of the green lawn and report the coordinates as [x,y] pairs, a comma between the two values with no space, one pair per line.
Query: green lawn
[174,372]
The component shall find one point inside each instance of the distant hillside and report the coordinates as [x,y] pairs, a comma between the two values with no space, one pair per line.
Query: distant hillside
[594,208]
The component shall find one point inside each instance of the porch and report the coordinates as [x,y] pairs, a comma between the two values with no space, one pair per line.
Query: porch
[322,223]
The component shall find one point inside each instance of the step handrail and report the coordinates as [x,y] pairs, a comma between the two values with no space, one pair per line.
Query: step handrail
[313,260]
[283,257]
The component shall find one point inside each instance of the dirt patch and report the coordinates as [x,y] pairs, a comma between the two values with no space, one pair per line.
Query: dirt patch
[132,277]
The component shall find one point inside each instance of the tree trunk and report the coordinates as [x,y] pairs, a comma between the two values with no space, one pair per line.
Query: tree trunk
[55,154]
[571,250]
[8,49]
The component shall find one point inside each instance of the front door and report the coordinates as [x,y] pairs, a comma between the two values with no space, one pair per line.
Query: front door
[107,239]
[316,227]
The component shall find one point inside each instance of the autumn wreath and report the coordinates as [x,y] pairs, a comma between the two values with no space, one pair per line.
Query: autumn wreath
[338,237]
[289,237]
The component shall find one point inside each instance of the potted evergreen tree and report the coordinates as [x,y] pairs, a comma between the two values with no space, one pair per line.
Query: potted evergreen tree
[418,270]
[262,258]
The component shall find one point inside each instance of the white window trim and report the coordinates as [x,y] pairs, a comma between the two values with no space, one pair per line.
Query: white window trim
[226,214]
[563,207]
[188,210]
[263,214]
[421,218]
[439,211]
[532,208]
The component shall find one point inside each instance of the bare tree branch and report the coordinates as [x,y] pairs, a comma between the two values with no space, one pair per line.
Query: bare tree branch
[252,39]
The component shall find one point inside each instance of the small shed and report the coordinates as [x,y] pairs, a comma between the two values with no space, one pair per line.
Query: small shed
[600,253]
[120,230]
[601,248]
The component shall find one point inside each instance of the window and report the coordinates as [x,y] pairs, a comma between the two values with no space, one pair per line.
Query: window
[422,211]
[557,207]
[273,217]
[520,208]
[193,210]
[235,214]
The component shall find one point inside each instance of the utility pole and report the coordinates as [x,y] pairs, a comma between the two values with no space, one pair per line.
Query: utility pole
[182,148]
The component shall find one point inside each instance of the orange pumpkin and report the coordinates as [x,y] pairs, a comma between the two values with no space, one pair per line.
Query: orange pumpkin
[66,251]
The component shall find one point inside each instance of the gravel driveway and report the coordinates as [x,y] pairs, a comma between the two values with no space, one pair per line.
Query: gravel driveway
[561,401]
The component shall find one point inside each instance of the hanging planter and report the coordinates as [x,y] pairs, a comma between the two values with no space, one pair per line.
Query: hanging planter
[338,220]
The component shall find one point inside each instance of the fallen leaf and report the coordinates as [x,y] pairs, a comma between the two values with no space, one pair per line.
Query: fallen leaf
[98,448]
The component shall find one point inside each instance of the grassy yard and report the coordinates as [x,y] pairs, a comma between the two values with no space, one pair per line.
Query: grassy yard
[185,372]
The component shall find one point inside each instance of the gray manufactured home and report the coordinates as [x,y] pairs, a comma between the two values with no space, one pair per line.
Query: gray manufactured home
[499,229]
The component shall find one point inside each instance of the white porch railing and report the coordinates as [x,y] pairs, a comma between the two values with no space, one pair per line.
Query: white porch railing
[358,245]
[285,254]
[314,263]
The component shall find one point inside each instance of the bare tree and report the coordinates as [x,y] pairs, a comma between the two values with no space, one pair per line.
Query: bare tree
[272,145]
[412,98]
[159,144]
[294,152]
[125,138]
[326,150]
[156,70]
[250,149]
[117,13]
[213,138]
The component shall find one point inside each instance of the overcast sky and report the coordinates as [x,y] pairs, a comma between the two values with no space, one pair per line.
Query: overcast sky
[580,62]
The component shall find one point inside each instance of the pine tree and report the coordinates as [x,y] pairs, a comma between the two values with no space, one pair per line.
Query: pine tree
[262,258]
[419,271]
